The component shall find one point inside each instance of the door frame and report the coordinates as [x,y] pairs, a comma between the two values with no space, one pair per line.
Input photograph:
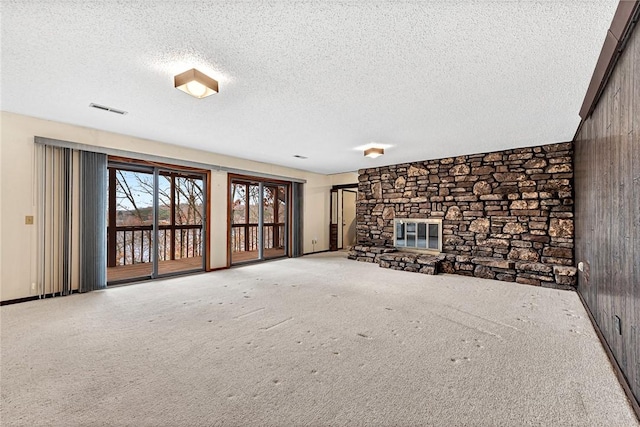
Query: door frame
[336,215]
[155,169]
[262,182]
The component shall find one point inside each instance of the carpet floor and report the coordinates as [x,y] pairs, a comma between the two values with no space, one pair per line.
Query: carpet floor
[318,340]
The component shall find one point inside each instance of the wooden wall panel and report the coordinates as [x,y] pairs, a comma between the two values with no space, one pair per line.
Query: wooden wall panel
[607,211]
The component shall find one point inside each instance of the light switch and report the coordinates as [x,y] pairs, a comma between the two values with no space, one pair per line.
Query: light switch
[28,219]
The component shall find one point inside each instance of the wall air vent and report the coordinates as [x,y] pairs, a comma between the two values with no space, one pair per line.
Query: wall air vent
[111,110]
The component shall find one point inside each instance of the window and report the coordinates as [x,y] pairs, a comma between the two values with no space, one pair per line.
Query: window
[412,233]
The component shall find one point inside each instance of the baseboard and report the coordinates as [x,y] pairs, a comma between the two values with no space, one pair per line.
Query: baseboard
[635,404]
[318,252]
[33,298]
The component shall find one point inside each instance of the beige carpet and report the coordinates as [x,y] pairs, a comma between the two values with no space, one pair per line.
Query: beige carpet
[318,340]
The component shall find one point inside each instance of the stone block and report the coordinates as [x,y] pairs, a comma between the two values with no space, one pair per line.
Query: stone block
[535,163]
[481,188]
[537,267]
[506,189]
[523,254]
[550,148]
[556,184]
[428,269]
[400,183]
[494,243]
[483,170]
[494,262]
[521,244]
[453,214]
[557,261]
[461,169]
[376,190]
[535,238]
[480,225]
[509,177]
[558,252]
[566,280]
[483,272]
[519,204]
[560,168]
[514,228]
[492,157]
[561,270]
[464,266]
[561,227]
[493,197]
[417,171]
[525,212]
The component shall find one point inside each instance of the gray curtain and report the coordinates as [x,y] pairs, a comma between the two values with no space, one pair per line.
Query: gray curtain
[297,228]
[93,221]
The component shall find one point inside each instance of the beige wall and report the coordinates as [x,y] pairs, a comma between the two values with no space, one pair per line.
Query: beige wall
[18,242]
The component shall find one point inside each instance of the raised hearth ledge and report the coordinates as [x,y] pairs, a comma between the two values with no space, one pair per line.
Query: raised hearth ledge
[530,273]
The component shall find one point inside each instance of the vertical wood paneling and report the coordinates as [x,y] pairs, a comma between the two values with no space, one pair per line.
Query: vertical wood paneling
[634,373]
[607,186]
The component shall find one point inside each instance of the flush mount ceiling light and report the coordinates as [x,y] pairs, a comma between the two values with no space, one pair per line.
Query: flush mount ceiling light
[373,152]
[196,83]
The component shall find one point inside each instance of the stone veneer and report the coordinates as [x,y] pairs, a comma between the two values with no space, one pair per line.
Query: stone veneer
[506,215]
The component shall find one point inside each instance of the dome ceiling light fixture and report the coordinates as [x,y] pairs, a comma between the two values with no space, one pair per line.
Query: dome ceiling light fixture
[373,152]
[195,83]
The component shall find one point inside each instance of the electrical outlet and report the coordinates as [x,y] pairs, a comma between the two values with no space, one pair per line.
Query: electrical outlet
[33,286]
[28,220]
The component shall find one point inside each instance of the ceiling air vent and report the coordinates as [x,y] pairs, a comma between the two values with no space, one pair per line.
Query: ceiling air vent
[111,110]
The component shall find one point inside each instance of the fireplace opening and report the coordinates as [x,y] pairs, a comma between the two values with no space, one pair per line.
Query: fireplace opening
[418,234]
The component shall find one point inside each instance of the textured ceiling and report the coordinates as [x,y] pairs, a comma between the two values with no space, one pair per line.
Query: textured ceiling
[314,78]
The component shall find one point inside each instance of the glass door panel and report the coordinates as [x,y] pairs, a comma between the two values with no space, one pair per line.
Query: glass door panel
[281,214]
[274,225]
[238,217]
[180,223]
[257,209]
[145,202]
[245,200]
[130,225]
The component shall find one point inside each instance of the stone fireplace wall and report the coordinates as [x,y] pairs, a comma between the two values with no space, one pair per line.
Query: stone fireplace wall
[506,215]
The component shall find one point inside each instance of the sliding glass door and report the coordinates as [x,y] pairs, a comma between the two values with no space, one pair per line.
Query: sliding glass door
[156,222]
[130,218]
[180,222]
[259,218]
